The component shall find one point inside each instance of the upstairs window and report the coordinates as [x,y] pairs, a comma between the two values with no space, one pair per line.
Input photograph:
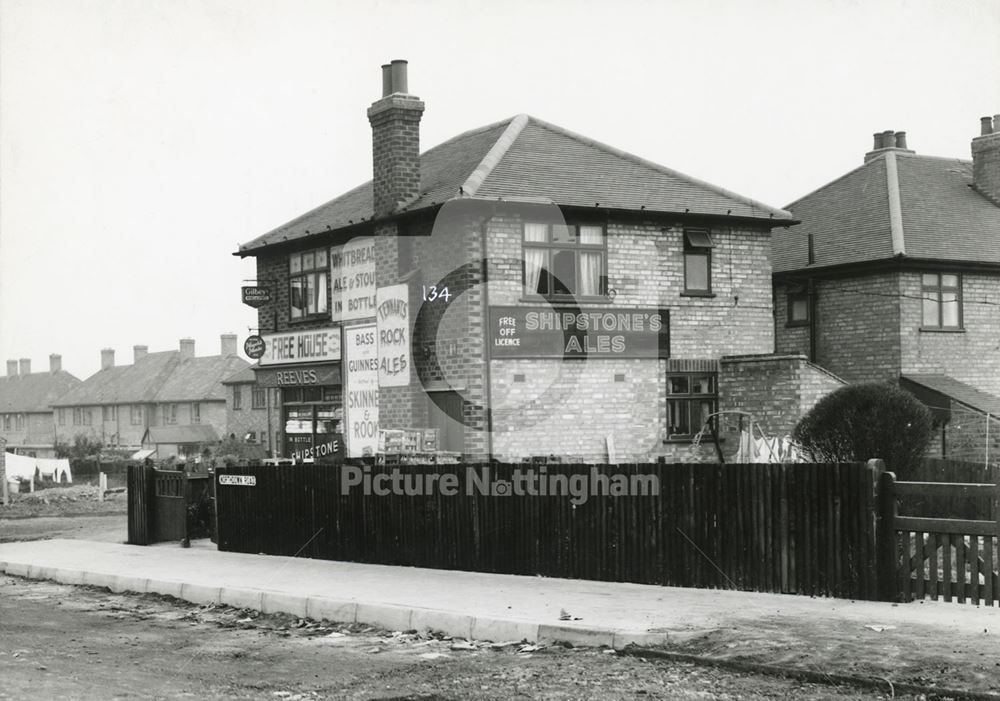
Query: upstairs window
[237,397]
[565,260]
[109,413]
[196,413]
[308,280]
[135,415]
[698,245]
[169,414]
[61,414]
[798,309]
[941,296]
[258,397]
[691,398]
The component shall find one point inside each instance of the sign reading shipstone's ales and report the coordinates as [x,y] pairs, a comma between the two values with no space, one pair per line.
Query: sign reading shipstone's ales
[579,332]
[306,346]
[361,396]
[392,319]
[352,280]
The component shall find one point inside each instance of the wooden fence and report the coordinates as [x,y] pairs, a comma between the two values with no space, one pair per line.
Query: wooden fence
[802,528]
[165,505]
[961,505]
[939,557]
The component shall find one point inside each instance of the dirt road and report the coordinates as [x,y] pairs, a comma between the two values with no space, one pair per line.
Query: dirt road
[61,642]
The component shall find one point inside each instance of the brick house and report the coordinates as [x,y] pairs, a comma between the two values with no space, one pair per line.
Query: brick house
[521,288]
[175,389]
[894,274]
[250,410]
[26,415]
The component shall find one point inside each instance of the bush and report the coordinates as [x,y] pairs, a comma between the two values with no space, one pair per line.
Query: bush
[863,421]
[82,447]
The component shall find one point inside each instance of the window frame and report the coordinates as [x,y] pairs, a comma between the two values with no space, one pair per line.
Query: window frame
[315,272]
[790,299]
[258,397]
[939,290]
[196,412]
[237,397]
[690,398]
[135,410]
[691,250]
[550,246]
[170,420]
[61,416]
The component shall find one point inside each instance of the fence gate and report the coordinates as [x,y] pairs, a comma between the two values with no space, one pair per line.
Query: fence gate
[160,505]
[923,556]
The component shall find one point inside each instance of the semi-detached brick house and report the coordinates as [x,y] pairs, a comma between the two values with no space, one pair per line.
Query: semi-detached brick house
[590,295]
[26,397]
[894,274]
[120,404]
[250,410]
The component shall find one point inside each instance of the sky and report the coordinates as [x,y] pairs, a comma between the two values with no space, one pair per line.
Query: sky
[142,142]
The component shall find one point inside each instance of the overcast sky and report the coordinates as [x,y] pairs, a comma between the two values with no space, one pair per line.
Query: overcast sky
[141,142]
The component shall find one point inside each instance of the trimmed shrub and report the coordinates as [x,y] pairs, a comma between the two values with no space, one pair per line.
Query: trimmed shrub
[863,421]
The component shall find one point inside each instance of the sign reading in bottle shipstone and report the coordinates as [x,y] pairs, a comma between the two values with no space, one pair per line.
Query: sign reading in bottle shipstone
[579,332]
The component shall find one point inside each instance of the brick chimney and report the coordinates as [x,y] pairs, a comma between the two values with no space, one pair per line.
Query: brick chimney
[395,120]
[11,368]
[139,352]
[107,358]
[25,366]
[228,344]
[55,362]
[888,142]
[986,159]
[187,348]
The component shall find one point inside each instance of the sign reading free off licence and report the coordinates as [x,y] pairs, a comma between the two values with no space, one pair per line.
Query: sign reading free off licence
[306,346]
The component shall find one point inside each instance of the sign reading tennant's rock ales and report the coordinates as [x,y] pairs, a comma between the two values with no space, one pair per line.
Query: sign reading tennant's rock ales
[579,332]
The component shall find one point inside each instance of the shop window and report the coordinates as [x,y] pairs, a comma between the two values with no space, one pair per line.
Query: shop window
[942,301]
[258,397]
[691,398]
[196,413]
[237,397]
[135,414]
[308,279]
[698,245]
[564,260]
[798,309]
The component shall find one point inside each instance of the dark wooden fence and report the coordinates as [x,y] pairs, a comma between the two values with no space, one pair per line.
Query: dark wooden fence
[937,504]
[165,505]
[805,528]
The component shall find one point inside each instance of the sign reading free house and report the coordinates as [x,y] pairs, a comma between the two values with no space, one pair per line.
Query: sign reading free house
[578,332]
[306,346]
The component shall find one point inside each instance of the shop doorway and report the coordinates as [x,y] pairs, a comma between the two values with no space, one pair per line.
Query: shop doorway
[445,414]
[313,423]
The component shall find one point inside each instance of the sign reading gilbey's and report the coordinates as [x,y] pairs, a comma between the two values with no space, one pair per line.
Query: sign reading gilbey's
[307,346]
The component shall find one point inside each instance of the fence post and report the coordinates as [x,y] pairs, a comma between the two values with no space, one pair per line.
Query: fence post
[186,489]
[886,563]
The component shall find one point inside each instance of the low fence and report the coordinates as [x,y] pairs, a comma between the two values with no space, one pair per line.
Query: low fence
[795,528]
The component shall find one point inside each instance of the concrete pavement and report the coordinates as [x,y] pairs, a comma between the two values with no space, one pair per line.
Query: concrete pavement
[463,604]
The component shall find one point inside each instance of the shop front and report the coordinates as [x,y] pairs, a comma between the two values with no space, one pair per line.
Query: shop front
[305,367]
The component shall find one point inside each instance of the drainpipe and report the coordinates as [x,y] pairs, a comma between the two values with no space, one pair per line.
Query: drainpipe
[812,320]
[486,346]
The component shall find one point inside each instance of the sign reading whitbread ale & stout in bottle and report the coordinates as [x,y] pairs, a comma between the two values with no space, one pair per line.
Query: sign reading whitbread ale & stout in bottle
[579,332]
[352,280]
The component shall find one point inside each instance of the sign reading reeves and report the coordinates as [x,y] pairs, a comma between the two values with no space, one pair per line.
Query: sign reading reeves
[565,332]
[307,346]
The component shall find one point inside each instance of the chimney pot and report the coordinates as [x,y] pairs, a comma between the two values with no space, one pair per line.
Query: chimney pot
[55,362]
[25,366]
[888,139]
[11,368]
[986,159]
[228,344]
[187,348]
[398,68]
[878,141]
[900,139]
[139,352]
[386,79]
[107,358]
[996,124]
[985,126]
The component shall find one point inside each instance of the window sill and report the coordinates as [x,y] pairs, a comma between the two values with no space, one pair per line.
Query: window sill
[796,324]
[566,300]
[697,293]
[938,329]
[690,439]
[325,316]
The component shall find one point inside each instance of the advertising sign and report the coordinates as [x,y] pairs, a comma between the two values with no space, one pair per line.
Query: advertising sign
[254,347]
[256,296]
[314,375]
[578,332]
[361,395]
[352,280]
[306,346]
[393,322]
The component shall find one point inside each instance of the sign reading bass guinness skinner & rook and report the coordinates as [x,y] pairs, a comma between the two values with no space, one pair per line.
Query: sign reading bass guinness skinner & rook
[578,332]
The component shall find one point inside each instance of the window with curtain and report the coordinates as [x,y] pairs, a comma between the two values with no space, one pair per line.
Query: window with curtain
[691,398]
[308,283]
[565,259]
[196,413]
[698,245]
[237,397]
[798,309]
[135,414]
[942,301]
